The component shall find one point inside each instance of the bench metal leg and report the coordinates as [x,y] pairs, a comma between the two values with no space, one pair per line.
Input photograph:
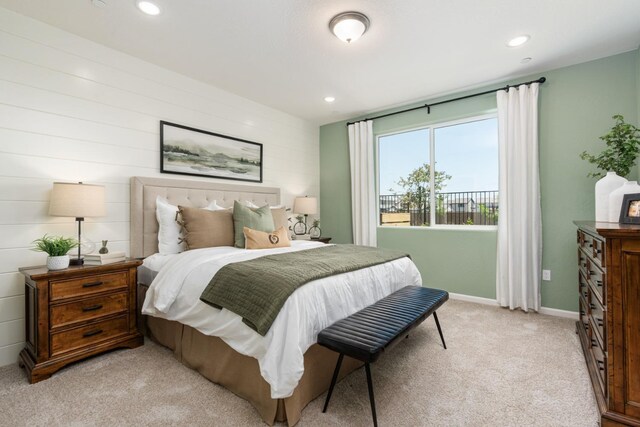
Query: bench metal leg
[373,402]
[435,316]
[333,382]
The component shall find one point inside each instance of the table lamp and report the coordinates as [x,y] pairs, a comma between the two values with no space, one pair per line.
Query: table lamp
[305,206]
[77,200]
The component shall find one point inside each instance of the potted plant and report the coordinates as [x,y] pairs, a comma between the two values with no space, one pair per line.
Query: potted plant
[623,146]
[56,247]
[615,163]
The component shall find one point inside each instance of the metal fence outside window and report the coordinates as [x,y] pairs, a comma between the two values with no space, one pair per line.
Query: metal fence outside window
[454,208]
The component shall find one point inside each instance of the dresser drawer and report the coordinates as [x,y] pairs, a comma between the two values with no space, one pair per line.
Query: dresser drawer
[596,278]
[583,286]
[600,363]
[584,314]
[88,285]
[87,309]
[597,247]
[87,335]
[597,313]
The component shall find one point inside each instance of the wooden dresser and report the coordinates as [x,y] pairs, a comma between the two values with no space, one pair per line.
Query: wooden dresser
[77,312]
[609,326]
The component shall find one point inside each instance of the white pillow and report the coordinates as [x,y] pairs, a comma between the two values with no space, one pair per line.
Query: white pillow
[169,231]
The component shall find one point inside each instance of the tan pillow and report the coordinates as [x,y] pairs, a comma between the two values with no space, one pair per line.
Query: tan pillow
[255,239]
[206,229]
[279,218]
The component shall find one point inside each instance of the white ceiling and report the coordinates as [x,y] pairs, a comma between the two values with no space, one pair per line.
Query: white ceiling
[280,52]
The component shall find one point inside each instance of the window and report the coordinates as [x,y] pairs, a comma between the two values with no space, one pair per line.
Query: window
[452,167]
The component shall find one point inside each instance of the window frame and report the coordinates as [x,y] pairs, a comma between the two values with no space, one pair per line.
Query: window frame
[432,195]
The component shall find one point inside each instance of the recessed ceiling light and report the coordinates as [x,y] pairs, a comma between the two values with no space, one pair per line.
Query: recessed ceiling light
[349,26]
[329,99]
[148,7]
[518,41]
[525,60]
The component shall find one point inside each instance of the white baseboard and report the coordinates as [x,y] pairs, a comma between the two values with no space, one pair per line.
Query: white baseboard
[488,301]
[560,313]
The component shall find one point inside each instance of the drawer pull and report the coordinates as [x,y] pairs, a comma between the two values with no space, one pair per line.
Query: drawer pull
[599,322]
[600,364]
[92,308]
[582,313]
[599,283]
[92,333]
[92,284]
[592,306]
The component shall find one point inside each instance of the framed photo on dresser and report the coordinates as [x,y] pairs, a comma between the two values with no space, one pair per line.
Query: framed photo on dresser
[630,209]
[188,151]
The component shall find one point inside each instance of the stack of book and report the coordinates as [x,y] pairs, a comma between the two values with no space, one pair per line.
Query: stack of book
[103,259]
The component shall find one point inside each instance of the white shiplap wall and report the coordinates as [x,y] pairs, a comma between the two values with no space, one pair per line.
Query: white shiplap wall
[72,110]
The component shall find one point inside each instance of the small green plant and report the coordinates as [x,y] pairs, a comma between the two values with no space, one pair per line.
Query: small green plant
[623,146]
[55,245]
[316,223]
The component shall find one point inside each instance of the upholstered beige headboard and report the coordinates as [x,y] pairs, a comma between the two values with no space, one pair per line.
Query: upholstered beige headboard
[144,226]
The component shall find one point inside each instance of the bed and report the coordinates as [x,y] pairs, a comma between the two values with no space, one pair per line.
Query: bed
[228,361]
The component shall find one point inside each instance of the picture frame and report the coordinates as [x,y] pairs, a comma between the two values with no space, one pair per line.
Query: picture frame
[630,209]
[189,151]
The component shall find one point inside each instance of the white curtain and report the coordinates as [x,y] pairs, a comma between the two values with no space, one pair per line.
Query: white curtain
[519,223]
[363,193]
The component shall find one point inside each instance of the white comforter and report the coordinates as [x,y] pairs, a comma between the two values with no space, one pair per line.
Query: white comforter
[175,295]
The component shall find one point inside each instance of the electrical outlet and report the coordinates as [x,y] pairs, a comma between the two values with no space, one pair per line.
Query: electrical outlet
[546,275]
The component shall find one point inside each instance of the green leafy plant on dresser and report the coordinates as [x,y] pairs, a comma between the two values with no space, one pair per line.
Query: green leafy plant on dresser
[623,146]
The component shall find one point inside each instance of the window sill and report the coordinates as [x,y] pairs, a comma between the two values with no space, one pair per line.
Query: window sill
[441,227]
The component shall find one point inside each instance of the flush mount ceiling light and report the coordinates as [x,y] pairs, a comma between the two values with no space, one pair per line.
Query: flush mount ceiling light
[349,26]
[99,3]
[329,99]
[148,7]
[518,41]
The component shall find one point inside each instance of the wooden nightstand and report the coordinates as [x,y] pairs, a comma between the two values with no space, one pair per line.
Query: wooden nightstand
[322,239]
[77,312]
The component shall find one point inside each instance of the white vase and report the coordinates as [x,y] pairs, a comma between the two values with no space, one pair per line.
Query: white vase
[58,262]
[604,187]
[616,197]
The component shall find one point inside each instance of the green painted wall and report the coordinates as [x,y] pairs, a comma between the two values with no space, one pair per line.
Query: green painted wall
[576,105]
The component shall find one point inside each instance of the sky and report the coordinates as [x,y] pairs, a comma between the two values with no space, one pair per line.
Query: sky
[468,152]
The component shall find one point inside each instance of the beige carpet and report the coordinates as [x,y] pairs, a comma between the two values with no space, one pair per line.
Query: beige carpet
[502,368]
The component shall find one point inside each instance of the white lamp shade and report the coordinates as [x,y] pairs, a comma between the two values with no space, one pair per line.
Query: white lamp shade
[305,205]
[77,200]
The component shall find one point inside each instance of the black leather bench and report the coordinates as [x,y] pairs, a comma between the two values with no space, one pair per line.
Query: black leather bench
[365,335]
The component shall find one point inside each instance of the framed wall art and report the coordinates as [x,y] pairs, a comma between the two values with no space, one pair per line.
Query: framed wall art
[630,209]
[188,151]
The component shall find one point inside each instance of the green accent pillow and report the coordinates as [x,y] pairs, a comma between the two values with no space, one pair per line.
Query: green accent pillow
[257,219]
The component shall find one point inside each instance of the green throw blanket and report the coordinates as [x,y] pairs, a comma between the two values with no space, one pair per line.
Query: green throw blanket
[257,289]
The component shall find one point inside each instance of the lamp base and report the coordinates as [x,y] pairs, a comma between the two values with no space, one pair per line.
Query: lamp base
[76,261]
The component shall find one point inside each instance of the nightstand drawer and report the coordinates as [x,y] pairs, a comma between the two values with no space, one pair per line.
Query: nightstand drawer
[88,285]
[91,308]
[87,335]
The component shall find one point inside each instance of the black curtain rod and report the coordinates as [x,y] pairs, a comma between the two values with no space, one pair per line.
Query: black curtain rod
[428,106]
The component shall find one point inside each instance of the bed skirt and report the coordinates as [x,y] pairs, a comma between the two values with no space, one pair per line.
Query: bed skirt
[240,374]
